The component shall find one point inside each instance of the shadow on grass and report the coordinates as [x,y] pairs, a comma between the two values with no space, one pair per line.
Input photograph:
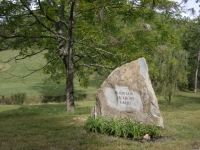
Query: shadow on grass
[53,92]
[44,127]
[52,88]
[44,109]
[182,102]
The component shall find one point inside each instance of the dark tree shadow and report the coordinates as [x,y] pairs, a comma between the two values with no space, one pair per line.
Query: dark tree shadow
[96,81]
[56,92]
[182,102]
[45,127]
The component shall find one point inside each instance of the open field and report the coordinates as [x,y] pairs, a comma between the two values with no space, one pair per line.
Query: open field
[49,127]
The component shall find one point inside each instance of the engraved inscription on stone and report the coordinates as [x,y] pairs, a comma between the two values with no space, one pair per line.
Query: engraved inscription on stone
[123,99]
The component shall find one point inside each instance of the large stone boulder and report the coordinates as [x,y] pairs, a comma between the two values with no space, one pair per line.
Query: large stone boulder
[128,93]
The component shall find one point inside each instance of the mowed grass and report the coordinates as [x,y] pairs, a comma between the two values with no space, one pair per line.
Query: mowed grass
[49,127]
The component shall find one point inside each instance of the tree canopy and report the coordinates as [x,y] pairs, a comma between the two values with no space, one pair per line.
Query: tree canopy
[79,37]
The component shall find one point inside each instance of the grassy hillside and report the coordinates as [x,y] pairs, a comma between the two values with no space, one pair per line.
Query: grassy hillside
[33,85]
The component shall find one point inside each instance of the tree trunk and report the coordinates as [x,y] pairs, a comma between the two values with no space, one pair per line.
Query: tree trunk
[69,85]
[66,48]
[196,75]
[69,66]
[169,100]
[69,59]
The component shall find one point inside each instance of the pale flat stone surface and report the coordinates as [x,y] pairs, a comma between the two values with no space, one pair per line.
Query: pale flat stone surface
[128,93]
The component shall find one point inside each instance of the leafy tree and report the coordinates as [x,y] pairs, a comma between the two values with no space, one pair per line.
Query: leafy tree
[171,64]
[168,67]
[87,34]
[191,43]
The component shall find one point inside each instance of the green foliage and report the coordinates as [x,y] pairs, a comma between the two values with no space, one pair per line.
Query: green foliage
[18,98]
[114,127]
[171,65]
[168,61]
[191,42]
[95,23]
[121,128]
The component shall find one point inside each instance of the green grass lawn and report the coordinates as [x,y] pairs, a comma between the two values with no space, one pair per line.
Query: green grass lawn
[48,126]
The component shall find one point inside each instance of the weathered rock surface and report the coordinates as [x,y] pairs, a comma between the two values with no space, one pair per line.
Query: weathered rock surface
[128,93]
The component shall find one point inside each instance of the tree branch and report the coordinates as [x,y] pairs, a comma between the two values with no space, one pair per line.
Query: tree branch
[33,71]
[96,65]
[95,57]
[25,56]
[36,17]
[24,36]
[99,49]
[44,12]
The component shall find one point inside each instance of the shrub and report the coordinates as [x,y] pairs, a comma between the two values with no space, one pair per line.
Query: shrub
[50,98]
[61,98]
[33,100]
[79,96]
[121,127]
[5,101]
[18,98]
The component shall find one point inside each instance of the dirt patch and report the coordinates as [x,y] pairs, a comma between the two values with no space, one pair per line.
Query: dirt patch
[80,120]
[195,145]
[157,139]
[4,66]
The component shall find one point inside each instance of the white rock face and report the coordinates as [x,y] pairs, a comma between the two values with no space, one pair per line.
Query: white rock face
[128,93]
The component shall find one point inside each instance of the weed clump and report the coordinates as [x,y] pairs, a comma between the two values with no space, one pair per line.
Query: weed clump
[5,101]
[50,98]
[18,98]
[121,128]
